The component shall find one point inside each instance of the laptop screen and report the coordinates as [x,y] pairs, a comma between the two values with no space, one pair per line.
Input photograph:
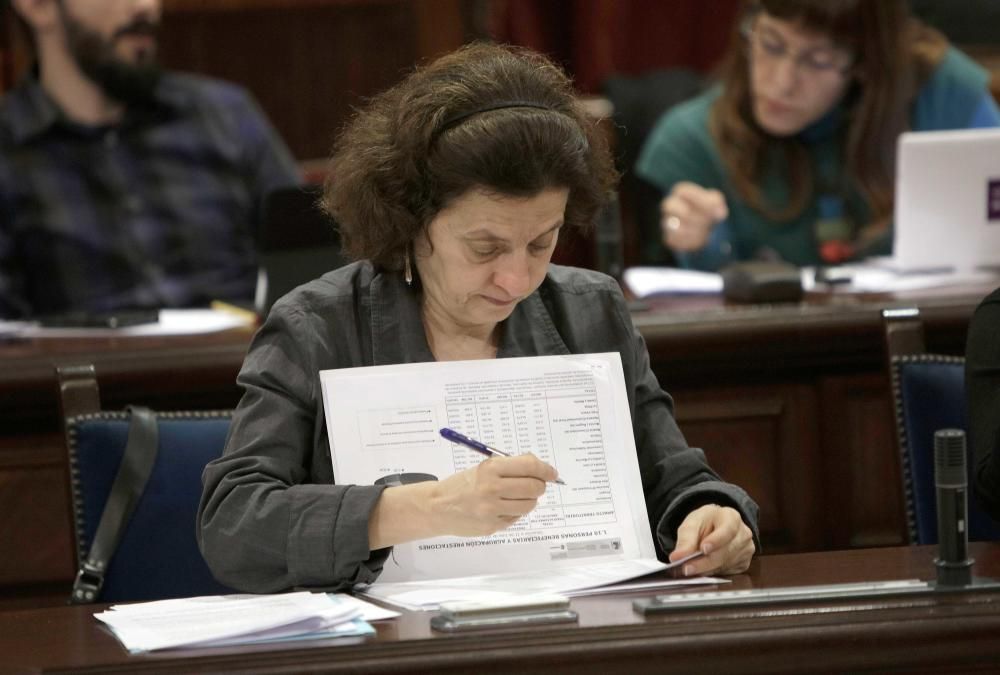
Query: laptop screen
[947,206]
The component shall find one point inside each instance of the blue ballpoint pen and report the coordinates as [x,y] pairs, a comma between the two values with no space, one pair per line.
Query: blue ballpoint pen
[478,446]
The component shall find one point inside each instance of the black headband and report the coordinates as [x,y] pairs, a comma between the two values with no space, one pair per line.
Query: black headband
[455,120]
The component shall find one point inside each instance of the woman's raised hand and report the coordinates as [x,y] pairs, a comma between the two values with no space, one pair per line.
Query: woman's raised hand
[688,214]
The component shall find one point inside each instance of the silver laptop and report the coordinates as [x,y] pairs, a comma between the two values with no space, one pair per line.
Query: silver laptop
[947,213]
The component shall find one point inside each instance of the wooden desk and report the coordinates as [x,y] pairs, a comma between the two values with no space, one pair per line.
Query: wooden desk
[790,402]
[950,632]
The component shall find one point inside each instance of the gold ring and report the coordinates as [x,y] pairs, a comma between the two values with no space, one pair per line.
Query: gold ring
[673,223]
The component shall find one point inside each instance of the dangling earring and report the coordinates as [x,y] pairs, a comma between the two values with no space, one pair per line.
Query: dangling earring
[407,270]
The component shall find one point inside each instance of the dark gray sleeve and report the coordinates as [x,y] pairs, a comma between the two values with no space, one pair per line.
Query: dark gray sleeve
[982,373]
[676,478]
[13,303]
[269,518]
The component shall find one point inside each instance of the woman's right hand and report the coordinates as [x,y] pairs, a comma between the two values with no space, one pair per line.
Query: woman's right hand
[476,502]
[491,495]
[688,214]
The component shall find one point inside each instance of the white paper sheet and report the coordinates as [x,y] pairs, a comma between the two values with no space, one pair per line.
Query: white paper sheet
[171,322]
[647,281]
[571,411]
[872,276]
[368,611]
[428,595]
[239,619]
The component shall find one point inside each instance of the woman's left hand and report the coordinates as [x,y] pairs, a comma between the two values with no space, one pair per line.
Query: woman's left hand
[720,533]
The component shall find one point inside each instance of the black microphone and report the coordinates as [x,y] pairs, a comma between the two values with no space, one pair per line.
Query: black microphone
[610,253]
[954,568]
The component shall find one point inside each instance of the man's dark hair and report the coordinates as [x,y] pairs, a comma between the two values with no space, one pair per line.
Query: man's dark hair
[498,118]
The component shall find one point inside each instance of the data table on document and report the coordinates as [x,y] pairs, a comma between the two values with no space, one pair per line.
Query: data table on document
[557,419]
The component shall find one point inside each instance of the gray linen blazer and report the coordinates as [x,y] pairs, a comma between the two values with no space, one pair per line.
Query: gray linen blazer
[271,517]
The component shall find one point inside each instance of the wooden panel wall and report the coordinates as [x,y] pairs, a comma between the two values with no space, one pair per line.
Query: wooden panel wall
[309,62]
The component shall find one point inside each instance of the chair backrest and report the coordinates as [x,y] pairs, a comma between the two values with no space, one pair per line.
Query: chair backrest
[639,102]
[297,243]
[157,556]
[928,391]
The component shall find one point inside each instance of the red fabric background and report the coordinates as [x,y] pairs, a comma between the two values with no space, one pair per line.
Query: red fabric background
[596,38]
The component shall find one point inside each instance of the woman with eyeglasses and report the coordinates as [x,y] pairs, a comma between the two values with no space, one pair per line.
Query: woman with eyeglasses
[792,155]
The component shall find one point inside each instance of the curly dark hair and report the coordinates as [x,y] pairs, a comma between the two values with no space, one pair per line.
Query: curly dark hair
[499,118]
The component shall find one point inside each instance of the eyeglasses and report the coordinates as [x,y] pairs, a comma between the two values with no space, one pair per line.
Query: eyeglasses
[767,46]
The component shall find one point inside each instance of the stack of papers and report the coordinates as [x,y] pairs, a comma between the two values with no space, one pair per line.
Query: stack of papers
[871,276]
[571,582]
[171,322]
[428,594]
[213,621]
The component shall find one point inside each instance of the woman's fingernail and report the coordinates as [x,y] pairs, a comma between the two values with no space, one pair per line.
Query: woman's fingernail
[706,548]
[688,570]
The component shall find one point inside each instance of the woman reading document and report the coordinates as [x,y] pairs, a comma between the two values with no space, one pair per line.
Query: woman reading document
[451,190]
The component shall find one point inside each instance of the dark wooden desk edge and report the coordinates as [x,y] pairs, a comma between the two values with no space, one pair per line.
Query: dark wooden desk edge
[122,361]
[667,325]
[28,381]
[907,641]
[849,312]
[954,632]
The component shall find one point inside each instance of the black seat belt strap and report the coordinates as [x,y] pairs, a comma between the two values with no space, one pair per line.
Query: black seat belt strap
[133,472]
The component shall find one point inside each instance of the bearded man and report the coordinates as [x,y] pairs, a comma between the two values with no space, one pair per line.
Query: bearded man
[123,186]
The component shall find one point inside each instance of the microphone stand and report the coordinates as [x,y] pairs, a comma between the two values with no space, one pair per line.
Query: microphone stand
[954,566]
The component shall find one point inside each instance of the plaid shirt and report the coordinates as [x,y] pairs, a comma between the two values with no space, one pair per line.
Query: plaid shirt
[157,211]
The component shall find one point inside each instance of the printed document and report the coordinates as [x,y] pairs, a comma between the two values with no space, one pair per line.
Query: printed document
[571,411]
[644,282]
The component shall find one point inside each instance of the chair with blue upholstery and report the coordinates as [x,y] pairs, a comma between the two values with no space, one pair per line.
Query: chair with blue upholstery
[928,392]
[157,554]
